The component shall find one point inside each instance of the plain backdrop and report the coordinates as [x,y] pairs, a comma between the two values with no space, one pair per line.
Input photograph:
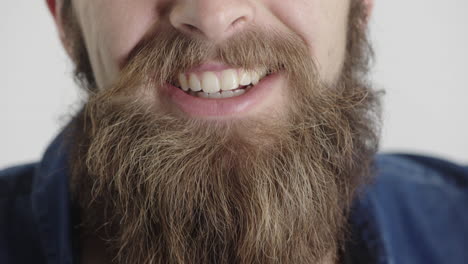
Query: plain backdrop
[422,63]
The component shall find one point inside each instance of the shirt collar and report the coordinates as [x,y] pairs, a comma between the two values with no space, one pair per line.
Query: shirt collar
[364,243]
[51,202]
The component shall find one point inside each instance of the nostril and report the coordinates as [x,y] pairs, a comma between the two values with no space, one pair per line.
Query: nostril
[238,22]
[191,28]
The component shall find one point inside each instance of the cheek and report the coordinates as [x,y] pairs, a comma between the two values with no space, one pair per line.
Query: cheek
[333,38]
[113,27]
[322,24]
[111,31]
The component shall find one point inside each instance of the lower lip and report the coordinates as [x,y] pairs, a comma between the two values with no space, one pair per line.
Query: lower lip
[223,107]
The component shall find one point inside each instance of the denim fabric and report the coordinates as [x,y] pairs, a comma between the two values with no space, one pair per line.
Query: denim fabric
[415,211]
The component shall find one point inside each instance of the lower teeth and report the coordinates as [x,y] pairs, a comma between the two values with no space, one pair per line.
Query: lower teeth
[221,94]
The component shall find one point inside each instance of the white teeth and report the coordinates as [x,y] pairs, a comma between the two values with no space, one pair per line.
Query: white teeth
[203,95]
[183,82]
[229,80]
[244,77]
[263,72]
[227,94]
[194,83]
[215,95]
[238,92]
[210,82]
[221,94]
[255,77]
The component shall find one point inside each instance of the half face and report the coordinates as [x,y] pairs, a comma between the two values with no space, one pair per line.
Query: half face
[212,88]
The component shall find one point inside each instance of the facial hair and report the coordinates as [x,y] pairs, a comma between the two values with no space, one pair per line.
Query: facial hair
[160,187]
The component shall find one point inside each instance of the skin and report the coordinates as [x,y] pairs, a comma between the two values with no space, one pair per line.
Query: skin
[112,28]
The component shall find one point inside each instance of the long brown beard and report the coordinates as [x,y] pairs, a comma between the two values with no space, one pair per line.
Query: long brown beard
[161,188]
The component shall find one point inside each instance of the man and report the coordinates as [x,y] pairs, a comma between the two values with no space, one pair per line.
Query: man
[221,131]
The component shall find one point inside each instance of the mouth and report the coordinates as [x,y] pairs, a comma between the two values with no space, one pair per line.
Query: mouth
[215,90]
[220,84]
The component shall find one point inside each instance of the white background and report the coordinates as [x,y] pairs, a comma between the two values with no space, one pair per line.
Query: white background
[422,62]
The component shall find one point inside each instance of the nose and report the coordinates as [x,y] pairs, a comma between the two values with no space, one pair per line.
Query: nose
[214,20]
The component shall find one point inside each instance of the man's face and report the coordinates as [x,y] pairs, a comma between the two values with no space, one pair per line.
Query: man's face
[221,131]
[112,29]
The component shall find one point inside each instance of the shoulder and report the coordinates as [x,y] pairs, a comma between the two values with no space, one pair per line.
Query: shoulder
[421,170]
[16,181]
[17,225]
[420,208]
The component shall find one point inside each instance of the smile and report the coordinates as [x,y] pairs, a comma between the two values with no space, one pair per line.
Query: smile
[221,84]
[216,90]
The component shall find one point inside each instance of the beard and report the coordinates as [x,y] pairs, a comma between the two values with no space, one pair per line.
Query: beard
[160,187]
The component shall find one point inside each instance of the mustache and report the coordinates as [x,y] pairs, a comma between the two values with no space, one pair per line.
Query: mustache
[165,52]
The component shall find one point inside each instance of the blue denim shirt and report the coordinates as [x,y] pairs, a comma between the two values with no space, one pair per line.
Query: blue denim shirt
[414,212]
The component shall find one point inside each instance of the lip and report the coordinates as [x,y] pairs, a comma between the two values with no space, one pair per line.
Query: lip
[223,107]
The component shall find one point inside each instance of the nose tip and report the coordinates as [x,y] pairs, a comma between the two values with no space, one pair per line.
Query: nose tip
[212,19]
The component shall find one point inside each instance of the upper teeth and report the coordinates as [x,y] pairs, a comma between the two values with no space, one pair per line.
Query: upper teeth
[211,82]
